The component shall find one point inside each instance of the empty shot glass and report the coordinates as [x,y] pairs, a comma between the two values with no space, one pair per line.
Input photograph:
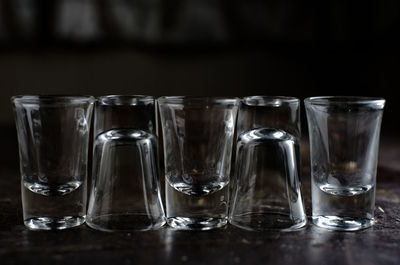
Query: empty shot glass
[267,188]
[53,137]
[125,193]
[344,139]
[198,136]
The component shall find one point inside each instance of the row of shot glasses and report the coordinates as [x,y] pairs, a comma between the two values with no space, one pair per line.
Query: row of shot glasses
[225,160]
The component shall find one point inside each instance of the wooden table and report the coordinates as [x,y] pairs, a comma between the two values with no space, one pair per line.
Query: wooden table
[312,245]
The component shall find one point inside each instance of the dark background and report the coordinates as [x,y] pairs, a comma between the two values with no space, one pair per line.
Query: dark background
[200,47]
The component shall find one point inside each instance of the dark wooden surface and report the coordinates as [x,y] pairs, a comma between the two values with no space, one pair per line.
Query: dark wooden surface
[312,245]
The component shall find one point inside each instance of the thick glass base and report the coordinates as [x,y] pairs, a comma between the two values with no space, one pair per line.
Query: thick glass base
[342,223]
[190,223]
[267,222]
[54,223]
[124,222]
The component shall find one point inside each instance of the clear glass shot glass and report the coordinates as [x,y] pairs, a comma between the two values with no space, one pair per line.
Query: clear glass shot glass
[344,139]
[53,137]
[125,193]
[198,136]
[267,188]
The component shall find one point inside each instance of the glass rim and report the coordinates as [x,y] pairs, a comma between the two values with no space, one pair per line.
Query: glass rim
[197,100]
[115,100]
[348,100]
[36,99]
[272,101]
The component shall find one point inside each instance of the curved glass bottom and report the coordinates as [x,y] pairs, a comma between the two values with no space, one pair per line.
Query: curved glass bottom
[342,223]
[54,223]
[255,221]
[198,223]
[124,222]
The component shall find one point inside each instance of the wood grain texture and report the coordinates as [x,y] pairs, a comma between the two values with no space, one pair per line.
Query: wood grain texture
[312,245]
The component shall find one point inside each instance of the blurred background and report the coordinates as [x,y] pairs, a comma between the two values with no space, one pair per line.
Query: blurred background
[200,47]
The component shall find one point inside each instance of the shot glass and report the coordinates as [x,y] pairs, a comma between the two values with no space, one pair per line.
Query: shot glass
[344,138]
[53,137]
[198,137]
[125,193]
[267,188]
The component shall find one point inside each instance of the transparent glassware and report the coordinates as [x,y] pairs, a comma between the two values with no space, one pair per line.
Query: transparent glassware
[267,187]
[198,136]
[344,139]
[125,111]
[125,193]
[53,137]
